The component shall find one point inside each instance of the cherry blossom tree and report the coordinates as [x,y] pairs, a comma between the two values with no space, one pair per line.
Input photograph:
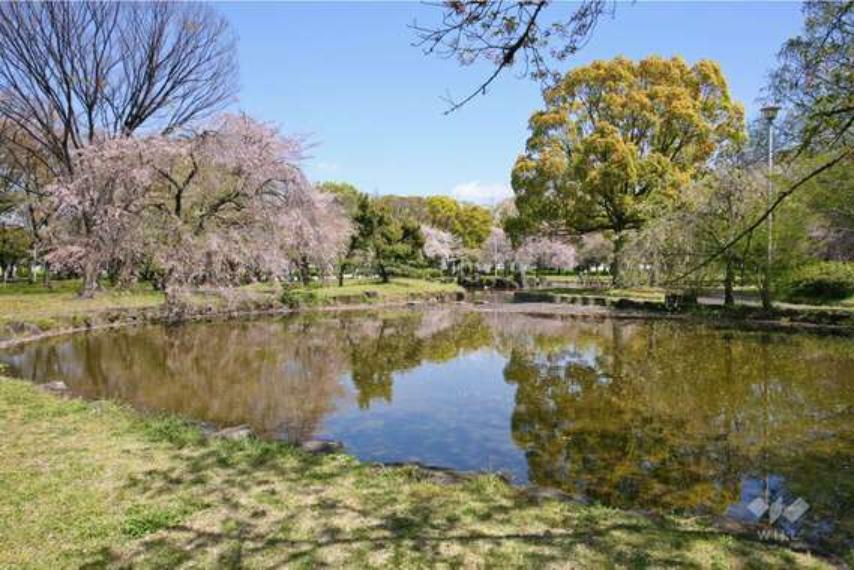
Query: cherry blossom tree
[203,206]
[218,201]
[497,249]
[314,229]
[541,252]
[99,208]
[440,245]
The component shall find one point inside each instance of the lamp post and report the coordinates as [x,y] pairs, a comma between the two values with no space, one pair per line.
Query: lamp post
[769,113]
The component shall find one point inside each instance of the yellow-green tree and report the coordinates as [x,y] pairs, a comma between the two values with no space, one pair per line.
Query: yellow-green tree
[469,222]
[617,141]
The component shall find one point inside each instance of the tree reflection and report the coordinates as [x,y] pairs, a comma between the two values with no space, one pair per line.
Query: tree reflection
[670,416]
[403,342]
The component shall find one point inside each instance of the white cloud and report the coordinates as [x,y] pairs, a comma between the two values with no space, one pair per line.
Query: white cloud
[327,167]
[475,191]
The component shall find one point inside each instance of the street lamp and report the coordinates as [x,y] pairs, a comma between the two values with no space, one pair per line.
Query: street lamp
[769,113]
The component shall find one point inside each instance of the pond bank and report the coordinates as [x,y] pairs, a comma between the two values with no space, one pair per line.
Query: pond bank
[111,488]
[839,321]
[41,314]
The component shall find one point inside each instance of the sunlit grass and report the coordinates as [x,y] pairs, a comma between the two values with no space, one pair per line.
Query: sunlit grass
[38,304]
[102,485]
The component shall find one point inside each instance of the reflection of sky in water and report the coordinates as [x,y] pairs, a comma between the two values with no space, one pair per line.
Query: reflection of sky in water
[453,414]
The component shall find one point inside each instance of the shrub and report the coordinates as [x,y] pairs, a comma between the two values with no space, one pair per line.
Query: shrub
[822,282]
[296,298]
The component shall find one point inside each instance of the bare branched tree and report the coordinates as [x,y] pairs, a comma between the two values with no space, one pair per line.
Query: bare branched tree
[507,33]
[72,73]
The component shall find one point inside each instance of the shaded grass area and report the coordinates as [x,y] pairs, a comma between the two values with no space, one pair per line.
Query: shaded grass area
[97,485]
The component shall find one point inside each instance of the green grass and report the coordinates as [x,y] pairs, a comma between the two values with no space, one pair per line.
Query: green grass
[397,289]
[100,485]
[27,309]
[32,303]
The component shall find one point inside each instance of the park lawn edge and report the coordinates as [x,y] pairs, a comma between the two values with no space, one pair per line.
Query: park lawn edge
[37,314]
[98,483]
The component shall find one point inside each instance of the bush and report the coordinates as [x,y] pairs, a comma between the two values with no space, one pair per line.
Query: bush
[296,298]
[821,282]
[426,273]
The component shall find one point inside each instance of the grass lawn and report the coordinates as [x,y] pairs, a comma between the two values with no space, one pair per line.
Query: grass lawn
[27,309]
[397,289]
[35,303]
[97,485]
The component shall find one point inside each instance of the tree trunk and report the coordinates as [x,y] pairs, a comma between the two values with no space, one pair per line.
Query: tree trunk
[90,280]
[729,278]
[383,273]
[34,259]
[341,275]
[304,272]
[617,279]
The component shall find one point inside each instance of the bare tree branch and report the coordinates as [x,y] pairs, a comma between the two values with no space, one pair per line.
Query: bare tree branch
[505,33]
[72,73]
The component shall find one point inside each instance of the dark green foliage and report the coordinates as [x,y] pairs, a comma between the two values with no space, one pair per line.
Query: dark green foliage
[823,281]
[387,242]
[298,298]
[15,246]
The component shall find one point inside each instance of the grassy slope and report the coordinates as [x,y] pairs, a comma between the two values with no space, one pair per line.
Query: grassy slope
[98,484]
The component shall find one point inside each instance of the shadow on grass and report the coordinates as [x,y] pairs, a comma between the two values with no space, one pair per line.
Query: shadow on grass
[274,506]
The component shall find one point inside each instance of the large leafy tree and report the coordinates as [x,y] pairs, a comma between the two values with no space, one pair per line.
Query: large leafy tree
[385,240]
[469,222]
[14,248]
[616,142]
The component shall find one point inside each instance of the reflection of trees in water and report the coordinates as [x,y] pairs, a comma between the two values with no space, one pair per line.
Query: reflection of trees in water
[282,377]
[668,415]
[271,375]
[404,341]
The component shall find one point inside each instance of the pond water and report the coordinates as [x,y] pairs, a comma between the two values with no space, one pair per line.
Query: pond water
[652,414]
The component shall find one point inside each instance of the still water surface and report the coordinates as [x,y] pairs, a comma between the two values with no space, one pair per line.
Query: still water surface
[638,414]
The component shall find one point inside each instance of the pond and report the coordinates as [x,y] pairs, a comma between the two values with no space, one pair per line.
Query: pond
[650,414]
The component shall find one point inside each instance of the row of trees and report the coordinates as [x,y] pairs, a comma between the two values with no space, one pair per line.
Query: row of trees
[656,156]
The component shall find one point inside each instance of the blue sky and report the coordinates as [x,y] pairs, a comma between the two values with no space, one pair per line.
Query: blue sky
[347,75]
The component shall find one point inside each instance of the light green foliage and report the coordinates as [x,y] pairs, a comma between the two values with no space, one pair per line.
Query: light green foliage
[821,282]
[347,194]
[815,78]
[469,222]
[830,199]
